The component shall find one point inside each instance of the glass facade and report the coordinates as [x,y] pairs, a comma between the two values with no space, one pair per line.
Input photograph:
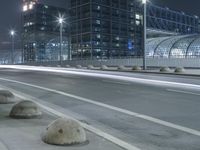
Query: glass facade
[103,29]
[183,46]
[39,29]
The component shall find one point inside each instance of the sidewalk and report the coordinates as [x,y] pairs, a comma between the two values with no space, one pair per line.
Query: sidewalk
[25,134]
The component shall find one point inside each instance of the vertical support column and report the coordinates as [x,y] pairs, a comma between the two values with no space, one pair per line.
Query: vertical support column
[61,42]
[144,34]
[12,53]
[91,32]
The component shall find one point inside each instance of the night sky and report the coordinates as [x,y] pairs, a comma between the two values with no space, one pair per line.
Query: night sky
[10,14]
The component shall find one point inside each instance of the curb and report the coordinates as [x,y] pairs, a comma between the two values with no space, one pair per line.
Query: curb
[162,73]
[177,74]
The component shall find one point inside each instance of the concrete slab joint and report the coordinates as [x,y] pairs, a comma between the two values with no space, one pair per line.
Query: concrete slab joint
[64,131]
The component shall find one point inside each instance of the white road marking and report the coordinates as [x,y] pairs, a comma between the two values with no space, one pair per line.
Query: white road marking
[138,115]
[103,75]
[185,92]
[117,82]
[90,128]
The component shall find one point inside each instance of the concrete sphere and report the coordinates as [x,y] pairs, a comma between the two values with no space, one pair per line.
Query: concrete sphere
[121,67]
[164,69]
[104,67]
[136,68]
[78,66]
[179,70]
[90,67]
[6,97]
[25,110]
[64,131]
[67,66]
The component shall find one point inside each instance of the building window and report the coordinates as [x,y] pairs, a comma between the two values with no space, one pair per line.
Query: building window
[98,21]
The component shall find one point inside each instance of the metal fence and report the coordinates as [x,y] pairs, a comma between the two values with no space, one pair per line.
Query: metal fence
[151,62]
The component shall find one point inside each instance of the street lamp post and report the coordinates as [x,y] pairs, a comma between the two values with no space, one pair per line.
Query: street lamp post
[144,2]
[12,33]
[61,21]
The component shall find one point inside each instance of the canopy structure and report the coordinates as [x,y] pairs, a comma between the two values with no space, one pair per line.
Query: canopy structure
[182,46]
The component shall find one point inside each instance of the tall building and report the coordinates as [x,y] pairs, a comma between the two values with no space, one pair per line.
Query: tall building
[103,29]
[41,32]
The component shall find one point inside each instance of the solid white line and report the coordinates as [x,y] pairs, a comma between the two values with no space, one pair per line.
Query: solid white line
[138,115]
[90,128]
[185,92]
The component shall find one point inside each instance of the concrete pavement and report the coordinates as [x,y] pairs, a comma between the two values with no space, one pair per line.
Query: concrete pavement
[22,134]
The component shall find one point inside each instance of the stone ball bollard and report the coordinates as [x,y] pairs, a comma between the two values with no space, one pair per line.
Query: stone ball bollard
[67,66]
[104,67]
[136,68]
[90,67]
[121,67]
[64,131]
[164,69]
[25,110]
[179,70]
[78,66]
[6,97]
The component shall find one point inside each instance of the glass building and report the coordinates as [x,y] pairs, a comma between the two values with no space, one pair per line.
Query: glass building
[103,29]
[41,32]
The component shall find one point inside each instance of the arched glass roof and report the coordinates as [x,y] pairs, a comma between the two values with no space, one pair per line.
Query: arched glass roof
[182,46]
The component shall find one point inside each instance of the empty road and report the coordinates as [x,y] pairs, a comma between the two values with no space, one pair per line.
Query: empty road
[151,112]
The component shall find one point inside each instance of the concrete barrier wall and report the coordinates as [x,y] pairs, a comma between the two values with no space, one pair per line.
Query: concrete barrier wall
[173,62]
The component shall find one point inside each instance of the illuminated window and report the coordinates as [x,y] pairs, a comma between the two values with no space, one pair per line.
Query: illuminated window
[98,36]
[137,16]
[117,38]
[98,21]
[137,22]
[98,7]
[30,6]
[25,8]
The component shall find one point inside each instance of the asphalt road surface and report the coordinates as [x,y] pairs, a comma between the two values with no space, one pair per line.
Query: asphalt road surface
[151,112]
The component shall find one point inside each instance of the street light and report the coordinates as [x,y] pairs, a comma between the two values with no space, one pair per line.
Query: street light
[12,33]
[144,2]
[61,21]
